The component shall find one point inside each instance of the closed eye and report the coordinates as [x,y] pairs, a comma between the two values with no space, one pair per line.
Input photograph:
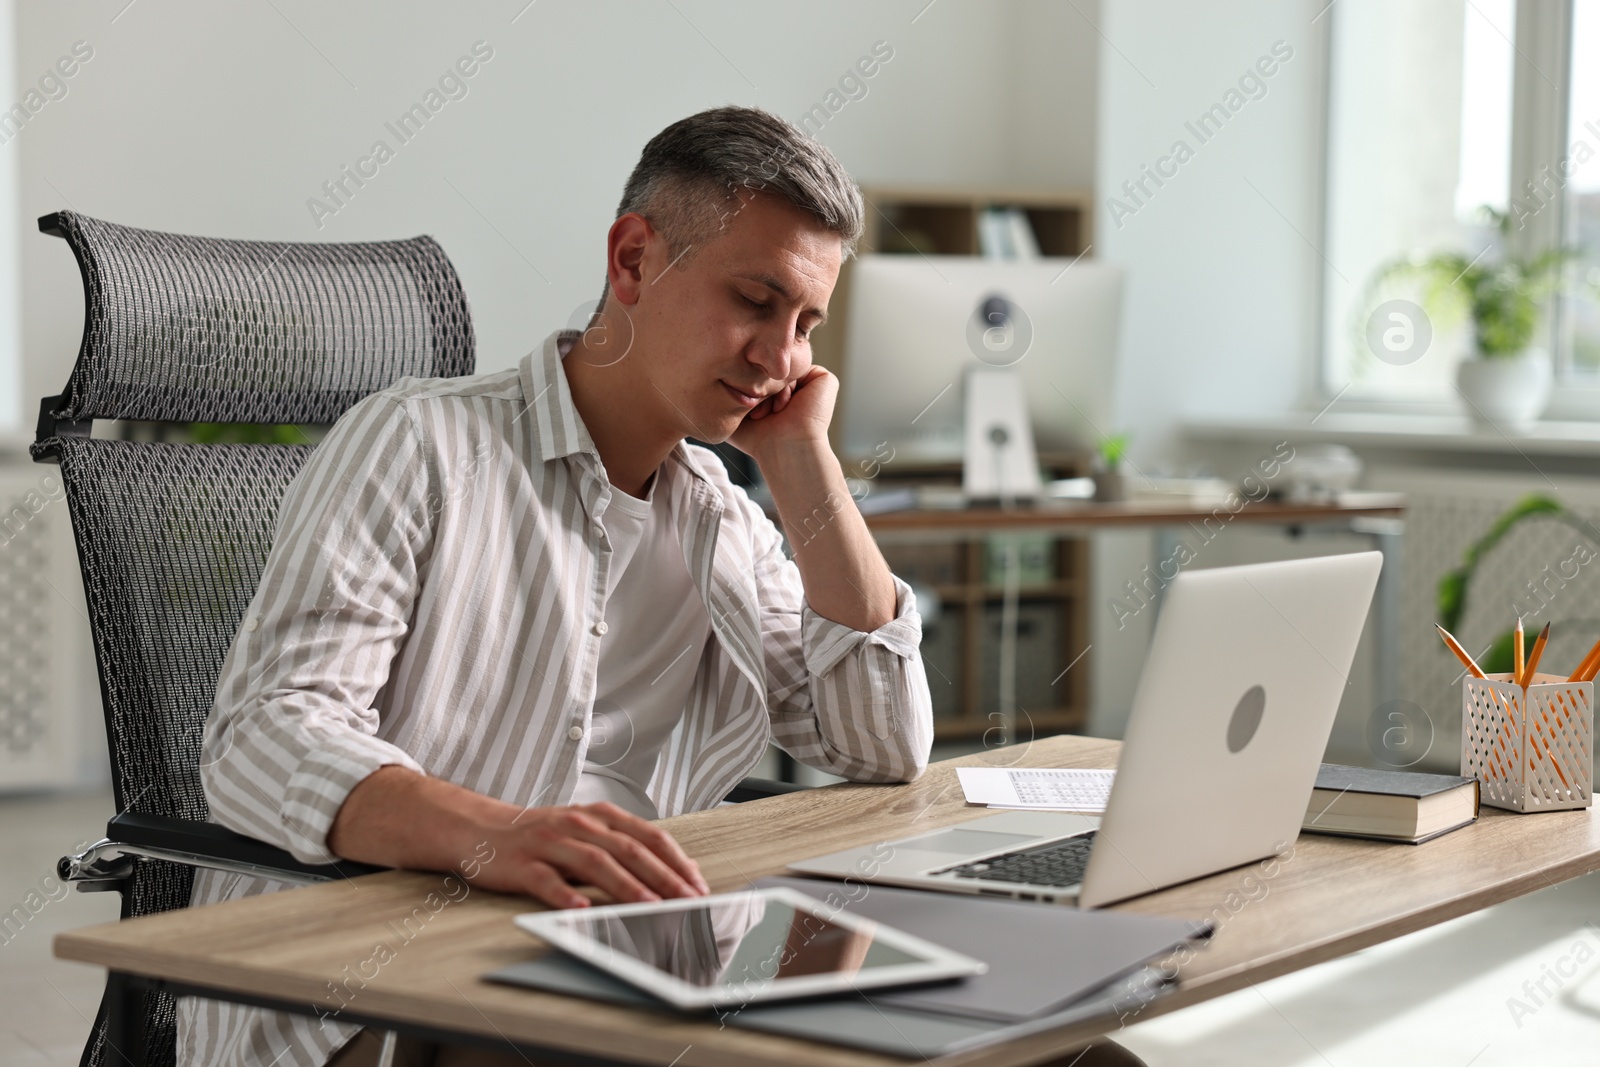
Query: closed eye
[759,306]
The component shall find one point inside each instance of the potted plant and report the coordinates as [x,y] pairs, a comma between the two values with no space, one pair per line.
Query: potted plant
[1108,481]
[1506,380]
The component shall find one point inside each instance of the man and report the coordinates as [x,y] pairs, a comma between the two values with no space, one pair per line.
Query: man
[509,619]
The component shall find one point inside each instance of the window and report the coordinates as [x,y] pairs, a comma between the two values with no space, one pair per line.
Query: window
[1578,327]
[1435,111]
[1419,139]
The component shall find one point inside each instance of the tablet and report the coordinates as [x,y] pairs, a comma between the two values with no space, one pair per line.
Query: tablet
[731,949]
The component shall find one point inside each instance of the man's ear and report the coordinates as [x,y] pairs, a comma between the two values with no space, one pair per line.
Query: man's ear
[625,250]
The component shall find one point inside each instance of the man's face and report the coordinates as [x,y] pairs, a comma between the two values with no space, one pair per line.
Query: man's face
[729,323]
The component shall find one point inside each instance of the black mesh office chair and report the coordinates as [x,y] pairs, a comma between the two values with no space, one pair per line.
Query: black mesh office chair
[172,537]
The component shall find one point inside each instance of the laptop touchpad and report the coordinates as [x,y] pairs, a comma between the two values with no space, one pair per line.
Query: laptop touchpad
[958,840]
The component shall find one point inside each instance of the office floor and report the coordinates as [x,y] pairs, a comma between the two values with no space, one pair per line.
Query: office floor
[46,1005]
[1449,996]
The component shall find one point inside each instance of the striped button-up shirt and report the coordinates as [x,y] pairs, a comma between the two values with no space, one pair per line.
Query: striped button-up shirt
[433,598]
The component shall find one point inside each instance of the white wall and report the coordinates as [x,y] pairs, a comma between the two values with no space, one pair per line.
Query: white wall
[225,119]
[12,402]
[1055,56]
[1223,267]
[1223,261]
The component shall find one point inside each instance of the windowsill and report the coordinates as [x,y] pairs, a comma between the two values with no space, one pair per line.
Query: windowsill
[1421,433]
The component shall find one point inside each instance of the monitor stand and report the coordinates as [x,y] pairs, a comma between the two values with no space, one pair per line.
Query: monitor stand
[1000,464]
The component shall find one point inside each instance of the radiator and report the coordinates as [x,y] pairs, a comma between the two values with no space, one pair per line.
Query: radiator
[49,693]
[1543,569]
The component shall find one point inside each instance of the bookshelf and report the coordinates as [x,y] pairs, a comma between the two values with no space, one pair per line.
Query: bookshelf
[961,649]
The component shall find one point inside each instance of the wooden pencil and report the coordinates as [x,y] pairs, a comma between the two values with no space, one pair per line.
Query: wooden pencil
[1461,654]
[1518,652]
[1533,657]
[1585,665]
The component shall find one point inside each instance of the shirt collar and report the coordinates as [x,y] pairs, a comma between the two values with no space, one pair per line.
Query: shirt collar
[558,429]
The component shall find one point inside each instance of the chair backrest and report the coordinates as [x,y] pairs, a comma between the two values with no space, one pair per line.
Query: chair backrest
[172,537]
[171,542]
[196,329]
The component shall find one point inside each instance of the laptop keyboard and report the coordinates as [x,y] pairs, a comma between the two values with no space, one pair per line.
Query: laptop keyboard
[1060,863]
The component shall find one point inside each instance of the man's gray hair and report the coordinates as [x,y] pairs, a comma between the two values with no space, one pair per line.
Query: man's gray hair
[688,178]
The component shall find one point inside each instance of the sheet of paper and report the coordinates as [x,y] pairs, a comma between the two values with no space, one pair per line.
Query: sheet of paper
[1057,789]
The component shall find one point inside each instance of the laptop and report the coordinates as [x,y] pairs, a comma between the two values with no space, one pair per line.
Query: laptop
[1221,751]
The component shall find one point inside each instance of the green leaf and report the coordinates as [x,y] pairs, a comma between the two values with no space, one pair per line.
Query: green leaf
[1452,591]
[1113,448]
[218,433]
[1526,508]
[1452,597]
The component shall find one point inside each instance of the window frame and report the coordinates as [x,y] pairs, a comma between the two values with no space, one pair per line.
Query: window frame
[1540,112]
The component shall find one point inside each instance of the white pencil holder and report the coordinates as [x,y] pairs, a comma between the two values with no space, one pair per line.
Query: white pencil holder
[1529,750]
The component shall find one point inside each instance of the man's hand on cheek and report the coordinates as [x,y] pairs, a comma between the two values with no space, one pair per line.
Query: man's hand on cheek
[800,412]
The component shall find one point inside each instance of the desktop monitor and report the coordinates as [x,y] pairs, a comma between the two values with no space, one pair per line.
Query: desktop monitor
[917,323]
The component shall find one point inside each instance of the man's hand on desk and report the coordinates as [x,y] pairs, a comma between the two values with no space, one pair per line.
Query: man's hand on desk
[399,818]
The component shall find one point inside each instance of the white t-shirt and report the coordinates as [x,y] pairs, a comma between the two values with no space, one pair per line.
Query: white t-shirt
[656,630]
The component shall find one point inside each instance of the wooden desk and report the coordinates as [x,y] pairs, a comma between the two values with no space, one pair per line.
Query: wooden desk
[1071,516]
[1330,897]
[1377,516]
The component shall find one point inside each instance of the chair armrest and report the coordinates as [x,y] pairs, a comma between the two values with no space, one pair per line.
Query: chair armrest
[197,844]
[208,845]
[756,788]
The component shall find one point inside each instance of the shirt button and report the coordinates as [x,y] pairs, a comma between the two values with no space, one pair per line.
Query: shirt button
[252,622]
[600,628]
[576,733]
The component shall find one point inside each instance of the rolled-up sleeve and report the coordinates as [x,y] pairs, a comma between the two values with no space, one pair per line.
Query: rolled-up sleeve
[293,727]
[850,702]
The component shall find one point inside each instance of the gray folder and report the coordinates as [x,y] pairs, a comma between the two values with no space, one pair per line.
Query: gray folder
[1041,956]
[1049,966]
[854,1020]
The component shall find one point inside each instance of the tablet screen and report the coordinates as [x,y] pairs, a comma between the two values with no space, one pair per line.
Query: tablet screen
[750,945]
[740,941]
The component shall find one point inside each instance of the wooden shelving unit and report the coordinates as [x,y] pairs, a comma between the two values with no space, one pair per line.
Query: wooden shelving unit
[943,220]
[961,648]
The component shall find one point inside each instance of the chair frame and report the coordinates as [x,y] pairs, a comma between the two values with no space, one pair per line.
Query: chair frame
[134,837]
